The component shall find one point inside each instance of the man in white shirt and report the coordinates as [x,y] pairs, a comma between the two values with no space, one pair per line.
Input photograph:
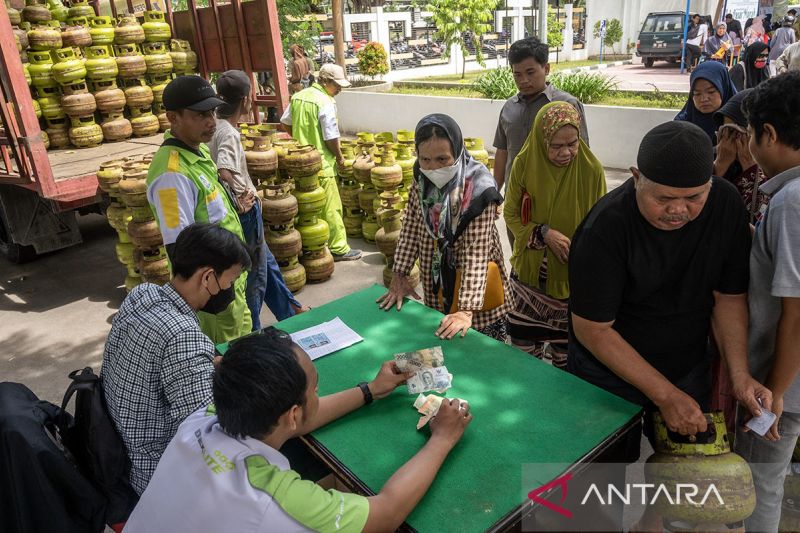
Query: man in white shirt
[223,471]
[696,40]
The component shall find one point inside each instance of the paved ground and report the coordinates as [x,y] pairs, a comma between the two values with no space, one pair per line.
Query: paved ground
[664,76]
[55,312]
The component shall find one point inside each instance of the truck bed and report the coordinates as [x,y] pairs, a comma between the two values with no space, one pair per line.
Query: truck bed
[76,162]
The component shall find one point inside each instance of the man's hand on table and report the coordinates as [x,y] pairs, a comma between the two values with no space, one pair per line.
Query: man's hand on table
[389,378]
[450,421]
[682,413]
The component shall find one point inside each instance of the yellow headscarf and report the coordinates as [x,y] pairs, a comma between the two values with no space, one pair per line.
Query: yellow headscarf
[560,196]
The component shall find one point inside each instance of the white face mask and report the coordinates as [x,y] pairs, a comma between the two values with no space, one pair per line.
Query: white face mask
[441,176]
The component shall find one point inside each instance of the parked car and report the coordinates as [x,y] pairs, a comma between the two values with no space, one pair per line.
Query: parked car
[661,38]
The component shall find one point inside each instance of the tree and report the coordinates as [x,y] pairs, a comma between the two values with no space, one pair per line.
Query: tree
[613,33]
[372,60]
[555,30]
[297,25]
[462,22]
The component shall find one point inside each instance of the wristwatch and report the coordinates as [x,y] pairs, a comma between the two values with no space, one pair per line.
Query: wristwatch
[366,392]
[543,229]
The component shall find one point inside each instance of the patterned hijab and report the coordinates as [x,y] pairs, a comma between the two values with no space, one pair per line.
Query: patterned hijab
[561,196]
[448,211]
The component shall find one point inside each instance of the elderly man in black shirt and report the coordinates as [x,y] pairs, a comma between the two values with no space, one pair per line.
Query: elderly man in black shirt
[655,263]
[652,267]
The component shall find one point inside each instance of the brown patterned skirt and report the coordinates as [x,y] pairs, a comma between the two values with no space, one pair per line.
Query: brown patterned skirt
[538,323]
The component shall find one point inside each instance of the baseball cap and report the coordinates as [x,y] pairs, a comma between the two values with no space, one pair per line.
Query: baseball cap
[190,92]
[333,72]
[233,85]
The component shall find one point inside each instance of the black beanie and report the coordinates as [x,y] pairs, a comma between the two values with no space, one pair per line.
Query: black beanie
[676,154]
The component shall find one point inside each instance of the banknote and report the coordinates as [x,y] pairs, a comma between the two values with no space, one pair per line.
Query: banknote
[428,406]
[418,359]
[428,379]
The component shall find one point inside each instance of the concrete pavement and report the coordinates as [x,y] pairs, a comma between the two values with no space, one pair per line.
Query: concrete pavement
[663,76]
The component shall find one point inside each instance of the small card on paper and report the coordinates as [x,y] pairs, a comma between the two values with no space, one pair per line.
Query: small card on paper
[326,338]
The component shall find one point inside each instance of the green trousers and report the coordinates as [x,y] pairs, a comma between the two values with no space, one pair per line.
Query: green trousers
[332,214]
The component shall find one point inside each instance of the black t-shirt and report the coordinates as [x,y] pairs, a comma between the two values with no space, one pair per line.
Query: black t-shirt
[656,285]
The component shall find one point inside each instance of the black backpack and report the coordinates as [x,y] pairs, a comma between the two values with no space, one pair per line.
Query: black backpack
[41,488]
[96,446]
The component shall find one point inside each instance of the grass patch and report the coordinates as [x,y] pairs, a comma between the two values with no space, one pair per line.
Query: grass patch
[656,100]
[466,92]
[492,63]
[650,100]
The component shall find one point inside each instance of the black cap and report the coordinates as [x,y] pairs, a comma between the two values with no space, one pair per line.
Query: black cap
[733,109]
[190,92]
[676,154]
[233,85]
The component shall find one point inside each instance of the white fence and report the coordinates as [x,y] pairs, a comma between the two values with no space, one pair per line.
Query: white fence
[614,132]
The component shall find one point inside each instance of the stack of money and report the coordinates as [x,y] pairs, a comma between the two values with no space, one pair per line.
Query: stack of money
[428,406]
[430,375]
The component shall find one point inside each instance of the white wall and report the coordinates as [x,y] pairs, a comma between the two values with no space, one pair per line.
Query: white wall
[614,132]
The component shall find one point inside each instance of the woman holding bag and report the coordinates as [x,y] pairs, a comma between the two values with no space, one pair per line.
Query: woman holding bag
[449,226]
[554,183]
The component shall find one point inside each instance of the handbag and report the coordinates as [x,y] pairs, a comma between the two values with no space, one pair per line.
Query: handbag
[494,295]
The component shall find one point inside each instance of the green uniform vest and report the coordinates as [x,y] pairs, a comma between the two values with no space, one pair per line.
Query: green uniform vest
[235,321]
[305,107]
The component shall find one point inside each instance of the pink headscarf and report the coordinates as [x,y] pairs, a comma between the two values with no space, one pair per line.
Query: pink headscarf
[756,31]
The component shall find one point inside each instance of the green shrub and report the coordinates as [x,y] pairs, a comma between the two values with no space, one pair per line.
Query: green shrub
[372,60]
[587,88]
[497,84]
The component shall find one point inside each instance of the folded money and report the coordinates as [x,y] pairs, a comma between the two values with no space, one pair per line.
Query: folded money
[419,359]
[428,406]
[428,379]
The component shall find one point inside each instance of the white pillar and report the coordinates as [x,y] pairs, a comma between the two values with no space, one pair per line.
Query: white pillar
[567,34]
[519,23]
[348,29]
[543,20]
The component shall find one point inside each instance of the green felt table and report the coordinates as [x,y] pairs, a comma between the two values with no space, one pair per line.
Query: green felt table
[525,411]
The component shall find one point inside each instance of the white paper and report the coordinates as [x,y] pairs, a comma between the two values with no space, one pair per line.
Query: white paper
[326,338]
[761,424]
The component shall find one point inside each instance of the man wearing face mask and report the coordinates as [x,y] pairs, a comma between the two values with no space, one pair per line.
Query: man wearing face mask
[183,187]
[311,119]
[157,362]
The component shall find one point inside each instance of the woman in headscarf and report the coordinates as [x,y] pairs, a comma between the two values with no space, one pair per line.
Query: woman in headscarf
[554,182]
[751,70]
[449,226]
[755,32]
[299,69]
[711,87]
[719,46]
[734,161]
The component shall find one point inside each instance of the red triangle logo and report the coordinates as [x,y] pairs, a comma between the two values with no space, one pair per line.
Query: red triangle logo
[560,481]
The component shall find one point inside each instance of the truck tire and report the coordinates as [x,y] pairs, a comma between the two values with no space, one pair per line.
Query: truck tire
[14,252]
[648,62]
